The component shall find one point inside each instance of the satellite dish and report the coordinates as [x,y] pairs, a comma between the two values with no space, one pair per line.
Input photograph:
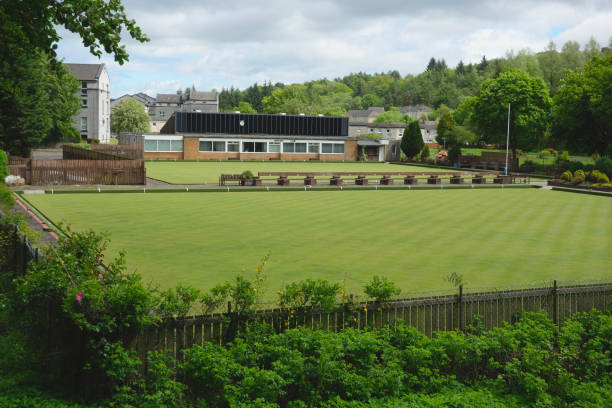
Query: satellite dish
[242,123]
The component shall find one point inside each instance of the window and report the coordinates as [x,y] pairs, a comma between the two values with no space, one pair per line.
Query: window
[176,145]
[254,147]
[274,147]
[83,84]
[387,130]
[300,147]
[206,146]
[233,146]
[218,146]
[313,148]
[288,147]
[161,113]
[84,101]
[337,148]
[163,145]
[83,124]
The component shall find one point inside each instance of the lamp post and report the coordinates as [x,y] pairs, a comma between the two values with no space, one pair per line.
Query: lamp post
[507,140]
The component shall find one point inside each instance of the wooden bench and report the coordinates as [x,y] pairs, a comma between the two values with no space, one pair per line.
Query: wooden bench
[310,181]
[434,180]
[411,180]
[456,180]
[479,180]
[386,181]
[335,181]
[361,181]
[503,180]
[230,177]
[282,181]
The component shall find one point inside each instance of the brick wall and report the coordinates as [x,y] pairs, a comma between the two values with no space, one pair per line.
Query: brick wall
[163,155]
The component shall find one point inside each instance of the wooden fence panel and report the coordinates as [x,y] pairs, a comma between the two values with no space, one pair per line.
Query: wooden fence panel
[70,152]
[127,152]
[66,172]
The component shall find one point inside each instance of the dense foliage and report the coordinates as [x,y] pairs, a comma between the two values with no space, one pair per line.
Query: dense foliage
[129,116]
[412,140]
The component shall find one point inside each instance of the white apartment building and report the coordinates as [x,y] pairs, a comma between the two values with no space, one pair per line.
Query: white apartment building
[93,120]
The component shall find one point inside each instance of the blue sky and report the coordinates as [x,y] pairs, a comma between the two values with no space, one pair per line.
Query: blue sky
[215,44]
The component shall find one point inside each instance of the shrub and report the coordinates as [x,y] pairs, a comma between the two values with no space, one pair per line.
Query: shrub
[564,156]
[597,176]
[247,174]
[425,153]
[576,165]
[567,176]
[381,289]
[604,164]
[4,171]
[315,293]
[579,177]
[454,153]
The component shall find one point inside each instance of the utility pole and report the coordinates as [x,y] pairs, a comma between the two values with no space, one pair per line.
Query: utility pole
[507,140]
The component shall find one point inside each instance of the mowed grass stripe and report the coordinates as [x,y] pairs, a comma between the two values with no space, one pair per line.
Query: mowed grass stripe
[208,172]
[416,238]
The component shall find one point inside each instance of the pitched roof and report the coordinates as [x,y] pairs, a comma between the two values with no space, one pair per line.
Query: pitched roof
[372,110]
[145,97]
[86,72]
[415,108]
[203,96]
[168,98]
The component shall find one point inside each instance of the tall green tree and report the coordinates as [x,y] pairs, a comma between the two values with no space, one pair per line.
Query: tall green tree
[446,124]
[129,116]
[530,110]
[582,114]
[244,107]
[412,140]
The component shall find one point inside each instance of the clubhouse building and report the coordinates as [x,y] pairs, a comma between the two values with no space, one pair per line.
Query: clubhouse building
[239,136]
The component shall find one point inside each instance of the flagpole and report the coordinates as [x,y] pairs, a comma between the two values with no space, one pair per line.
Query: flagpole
[507,139]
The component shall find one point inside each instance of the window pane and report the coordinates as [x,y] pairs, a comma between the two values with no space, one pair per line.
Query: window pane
[273,147]
[300,147]
[288,147]
[219,146]
[176,145]
[205,146]
[260,147]
[233,146]
[248,147]
[150,145]
[163,145]
[339,148]
[313,148]
[326,148]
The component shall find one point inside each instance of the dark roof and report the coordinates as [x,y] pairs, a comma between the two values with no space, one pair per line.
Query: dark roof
[429,124]
[145,97]
[86,72]
[371,110]
[168,98]
[367,142]
[259,136]
[203,96]
[261,124]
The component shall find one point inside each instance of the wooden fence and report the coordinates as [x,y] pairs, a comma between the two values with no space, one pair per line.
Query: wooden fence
[428,314]
[70,152]
[64,172]
[135,152]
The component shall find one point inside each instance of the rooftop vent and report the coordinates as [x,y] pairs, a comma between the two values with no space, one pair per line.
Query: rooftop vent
[283,113]
[236,111]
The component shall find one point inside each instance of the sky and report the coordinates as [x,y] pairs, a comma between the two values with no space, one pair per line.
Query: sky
[213,44]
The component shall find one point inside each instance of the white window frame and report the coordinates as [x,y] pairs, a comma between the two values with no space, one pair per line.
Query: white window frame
[332,143]
[84,122]
[170,139]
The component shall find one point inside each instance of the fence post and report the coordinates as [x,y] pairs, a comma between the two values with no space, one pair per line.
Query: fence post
[460,300]
[229,307]
[24,265]
[555,304]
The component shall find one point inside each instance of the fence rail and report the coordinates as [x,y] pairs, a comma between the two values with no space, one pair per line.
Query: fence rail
[65,172]
[128,152]
[17,252]
[427,314]
[70,152]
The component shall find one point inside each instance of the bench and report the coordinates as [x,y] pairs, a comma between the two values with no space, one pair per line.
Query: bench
[310,181]
[503,180]
[434,180]
[335,181]
[386,181]
[361,181]
[411,180]
[282,181]
[230,177]
[479,180]
[456,180]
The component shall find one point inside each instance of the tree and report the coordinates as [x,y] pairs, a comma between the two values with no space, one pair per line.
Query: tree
[445,125]
[244,107]
[129,116]
[530,110]
[582,113]
[412,141]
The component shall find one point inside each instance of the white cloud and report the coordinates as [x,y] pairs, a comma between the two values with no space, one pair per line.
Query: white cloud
[235,42]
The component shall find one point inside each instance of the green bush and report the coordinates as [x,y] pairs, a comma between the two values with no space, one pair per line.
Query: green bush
[453,154]
[381,289]
[567,176]
[318,294]
[247,174]
[425,153]
[579,177]
[604,164]
[4,171]
[597,176]
[575,166]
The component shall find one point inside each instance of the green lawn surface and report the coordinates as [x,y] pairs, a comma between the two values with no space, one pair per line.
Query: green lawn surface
[208,172]
[493,237]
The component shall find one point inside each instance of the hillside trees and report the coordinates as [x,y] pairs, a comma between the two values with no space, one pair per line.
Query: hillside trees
[129,116]
[582,114]
[530,110]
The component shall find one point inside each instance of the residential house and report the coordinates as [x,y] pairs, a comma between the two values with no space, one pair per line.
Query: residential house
[93,119]
[367,115]
[165,105]
[416,111]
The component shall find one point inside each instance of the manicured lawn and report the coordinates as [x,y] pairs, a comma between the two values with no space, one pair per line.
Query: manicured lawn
[492,237]
[208,172]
